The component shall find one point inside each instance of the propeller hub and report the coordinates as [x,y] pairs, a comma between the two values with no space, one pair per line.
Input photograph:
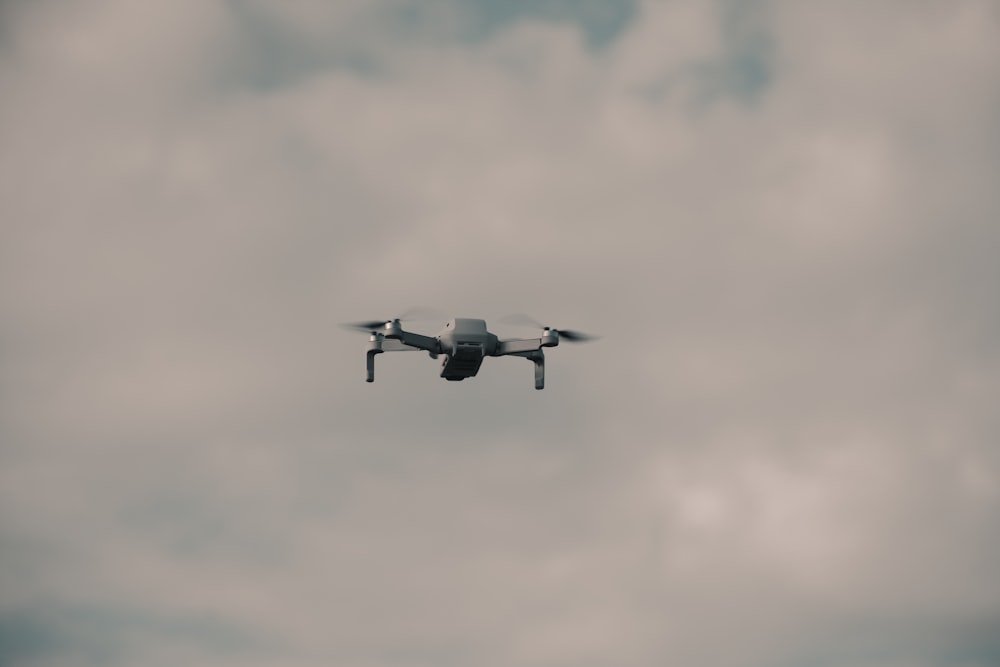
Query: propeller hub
[393,329]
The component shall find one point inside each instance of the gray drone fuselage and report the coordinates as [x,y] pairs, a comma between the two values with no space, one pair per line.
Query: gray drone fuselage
[464,343]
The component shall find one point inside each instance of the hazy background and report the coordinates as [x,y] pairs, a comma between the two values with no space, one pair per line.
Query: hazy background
[782,217]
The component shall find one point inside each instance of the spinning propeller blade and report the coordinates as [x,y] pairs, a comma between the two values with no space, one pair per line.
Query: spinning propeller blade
[564,334]
[574,336]
[416,313]
[369,325]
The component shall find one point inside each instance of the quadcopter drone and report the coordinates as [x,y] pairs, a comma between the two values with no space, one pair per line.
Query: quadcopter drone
[464,343]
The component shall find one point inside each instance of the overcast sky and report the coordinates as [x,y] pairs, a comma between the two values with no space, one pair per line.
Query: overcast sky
[781,217]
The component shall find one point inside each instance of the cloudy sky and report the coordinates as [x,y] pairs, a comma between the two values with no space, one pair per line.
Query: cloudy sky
[781,217]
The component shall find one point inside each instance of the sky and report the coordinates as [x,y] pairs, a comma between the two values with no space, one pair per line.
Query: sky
[779,217]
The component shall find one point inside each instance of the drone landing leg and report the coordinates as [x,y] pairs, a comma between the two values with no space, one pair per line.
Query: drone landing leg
[371,363]
[539,359]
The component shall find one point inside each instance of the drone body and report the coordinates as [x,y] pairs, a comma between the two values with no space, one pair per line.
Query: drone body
[464,343]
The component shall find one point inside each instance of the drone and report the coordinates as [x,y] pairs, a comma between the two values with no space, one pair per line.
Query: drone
[464,343]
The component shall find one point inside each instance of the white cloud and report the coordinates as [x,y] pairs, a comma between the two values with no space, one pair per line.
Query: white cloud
[784,437]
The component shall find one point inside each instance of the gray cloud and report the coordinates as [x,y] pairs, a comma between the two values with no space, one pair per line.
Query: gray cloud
[780,452]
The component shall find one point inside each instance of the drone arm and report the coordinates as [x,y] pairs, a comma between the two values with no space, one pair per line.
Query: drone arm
[518,346]
[419,342]
[390,345]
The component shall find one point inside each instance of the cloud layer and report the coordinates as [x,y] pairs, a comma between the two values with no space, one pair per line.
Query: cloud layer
[780,218]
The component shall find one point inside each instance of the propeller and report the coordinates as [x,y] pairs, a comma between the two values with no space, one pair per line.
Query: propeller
[366,326]
[564,334]
[416,313]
